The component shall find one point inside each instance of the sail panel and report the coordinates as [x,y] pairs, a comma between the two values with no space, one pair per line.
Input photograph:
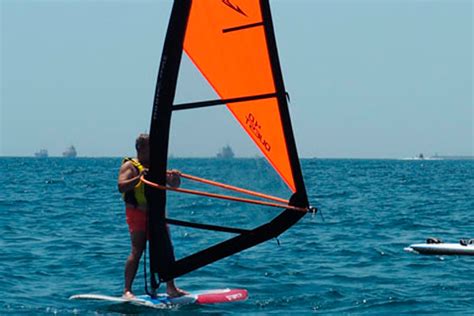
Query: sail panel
[235,63]
[226,41]
[260,119]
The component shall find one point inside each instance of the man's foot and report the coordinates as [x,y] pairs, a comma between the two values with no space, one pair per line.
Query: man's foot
[175,292]
[128,295]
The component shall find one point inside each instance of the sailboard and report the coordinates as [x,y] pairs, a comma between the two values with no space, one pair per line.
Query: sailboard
[162,300]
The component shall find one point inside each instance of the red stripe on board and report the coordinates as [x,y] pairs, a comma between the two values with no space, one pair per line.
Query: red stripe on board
[222,296]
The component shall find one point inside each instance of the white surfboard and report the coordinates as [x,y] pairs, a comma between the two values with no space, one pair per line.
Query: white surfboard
[162,300]
[442,248]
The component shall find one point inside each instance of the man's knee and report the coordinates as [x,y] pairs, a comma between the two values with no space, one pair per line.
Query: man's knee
[137,253]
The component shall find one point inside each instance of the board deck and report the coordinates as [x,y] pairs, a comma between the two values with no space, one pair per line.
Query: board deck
[442,249]
[199,297]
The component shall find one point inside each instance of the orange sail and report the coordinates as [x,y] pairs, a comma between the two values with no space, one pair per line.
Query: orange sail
[226,41]
[232,43]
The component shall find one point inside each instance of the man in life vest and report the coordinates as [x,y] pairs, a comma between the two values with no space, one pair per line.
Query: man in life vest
[133,191]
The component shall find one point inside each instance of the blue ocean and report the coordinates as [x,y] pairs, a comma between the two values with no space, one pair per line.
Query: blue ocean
[64,232]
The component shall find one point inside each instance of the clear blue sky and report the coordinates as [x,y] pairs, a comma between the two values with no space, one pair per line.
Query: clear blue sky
[381,79]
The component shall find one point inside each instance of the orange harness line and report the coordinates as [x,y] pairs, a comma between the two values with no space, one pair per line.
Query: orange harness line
[225,197]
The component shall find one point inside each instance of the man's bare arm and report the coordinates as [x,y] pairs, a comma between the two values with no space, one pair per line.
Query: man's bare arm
[128,177]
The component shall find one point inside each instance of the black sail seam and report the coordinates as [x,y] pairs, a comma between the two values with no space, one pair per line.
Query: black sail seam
[242,27]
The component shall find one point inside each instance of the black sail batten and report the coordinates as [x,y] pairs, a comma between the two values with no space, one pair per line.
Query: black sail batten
[242,27]
[216,228]
[201,104]
[160,247]
[162,259]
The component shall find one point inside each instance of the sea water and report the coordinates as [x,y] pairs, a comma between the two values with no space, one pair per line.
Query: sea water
[63,232]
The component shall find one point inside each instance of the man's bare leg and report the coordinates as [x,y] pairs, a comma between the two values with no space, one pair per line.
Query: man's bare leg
[138,241]
[174,291]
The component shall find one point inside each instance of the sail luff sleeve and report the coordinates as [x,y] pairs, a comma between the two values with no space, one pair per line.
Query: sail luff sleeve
[160,248]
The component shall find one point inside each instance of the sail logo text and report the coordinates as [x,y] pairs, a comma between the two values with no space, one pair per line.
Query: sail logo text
[233,6]
[253,125]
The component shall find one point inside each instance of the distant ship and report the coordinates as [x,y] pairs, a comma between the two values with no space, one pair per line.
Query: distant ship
[423,157]
[225,153]
[43,153]
[70,152]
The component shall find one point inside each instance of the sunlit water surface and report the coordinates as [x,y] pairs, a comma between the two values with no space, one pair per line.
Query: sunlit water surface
[64,232]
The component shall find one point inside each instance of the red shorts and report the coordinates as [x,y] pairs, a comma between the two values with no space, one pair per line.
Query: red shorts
[136,220]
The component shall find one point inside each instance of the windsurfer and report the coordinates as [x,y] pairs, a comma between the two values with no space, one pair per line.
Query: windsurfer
[133,192]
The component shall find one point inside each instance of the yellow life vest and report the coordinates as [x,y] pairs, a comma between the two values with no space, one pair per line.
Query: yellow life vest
[137,195]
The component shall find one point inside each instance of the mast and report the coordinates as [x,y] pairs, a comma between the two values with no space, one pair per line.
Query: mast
[160,247]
